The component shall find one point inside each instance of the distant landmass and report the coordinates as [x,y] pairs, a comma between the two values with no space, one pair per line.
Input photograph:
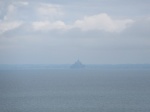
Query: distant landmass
[77,64]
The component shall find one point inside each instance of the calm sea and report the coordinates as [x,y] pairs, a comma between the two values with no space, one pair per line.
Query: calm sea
[73,90]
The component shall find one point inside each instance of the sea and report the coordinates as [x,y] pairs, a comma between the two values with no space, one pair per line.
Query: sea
[75,90]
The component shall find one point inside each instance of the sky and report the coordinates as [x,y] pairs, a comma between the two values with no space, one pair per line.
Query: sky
[62,31]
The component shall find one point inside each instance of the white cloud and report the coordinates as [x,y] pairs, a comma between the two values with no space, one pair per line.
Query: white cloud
[49,11]
[11,8]
[47,25]
[20,3]
[46,17]
[6,26]
[24,3]
[102,22]
[10,12]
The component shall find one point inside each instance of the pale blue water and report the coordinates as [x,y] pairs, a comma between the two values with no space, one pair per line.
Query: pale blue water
[67,90]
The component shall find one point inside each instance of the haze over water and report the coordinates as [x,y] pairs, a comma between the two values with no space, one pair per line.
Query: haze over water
[75,90]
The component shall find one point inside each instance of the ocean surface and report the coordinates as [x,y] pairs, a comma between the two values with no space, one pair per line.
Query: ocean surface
[75,90]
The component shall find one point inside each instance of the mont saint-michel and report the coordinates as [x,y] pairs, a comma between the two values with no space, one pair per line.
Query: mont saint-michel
[77,64]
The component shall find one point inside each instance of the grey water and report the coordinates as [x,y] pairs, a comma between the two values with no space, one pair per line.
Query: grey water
[75,90]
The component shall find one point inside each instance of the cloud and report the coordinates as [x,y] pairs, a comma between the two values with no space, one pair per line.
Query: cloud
[11,9]
[6,26]
[24,3]
[49,11]
[102,22]
[47,17]
[9,21]
[140,29]
[47,25]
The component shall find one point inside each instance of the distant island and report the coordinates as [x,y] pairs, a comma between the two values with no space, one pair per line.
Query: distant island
[77,64]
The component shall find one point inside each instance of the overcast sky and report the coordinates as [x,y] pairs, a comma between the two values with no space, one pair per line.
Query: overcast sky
[61,31]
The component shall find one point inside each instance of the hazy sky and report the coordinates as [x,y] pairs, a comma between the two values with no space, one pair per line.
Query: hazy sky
[61,31]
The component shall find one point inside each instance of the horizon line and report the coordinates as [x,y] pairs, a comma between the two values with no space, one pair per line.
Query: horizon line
[72,63]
